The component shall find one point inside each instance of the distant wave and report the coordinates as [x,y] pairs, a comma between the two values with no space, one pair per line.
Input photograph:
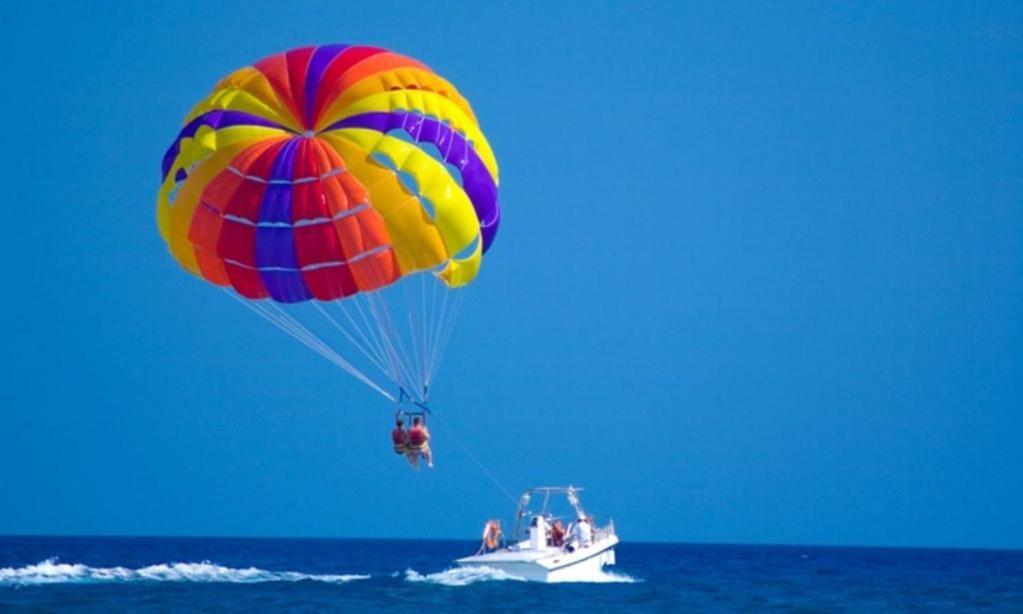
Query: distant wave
[460,576]
[464,576]
[51,571]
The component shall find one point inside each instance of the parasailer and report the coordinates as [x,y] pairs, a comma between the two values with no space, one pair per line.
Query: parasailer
[399,437]
[346,194]
[419,443]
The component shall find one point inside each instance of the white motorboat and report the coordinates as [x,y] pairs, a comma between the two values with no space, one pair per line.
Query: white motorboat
[541,548]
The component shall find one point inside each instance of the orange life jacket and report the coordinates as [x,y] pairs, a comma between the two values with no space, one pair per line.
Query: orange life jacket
[491,535]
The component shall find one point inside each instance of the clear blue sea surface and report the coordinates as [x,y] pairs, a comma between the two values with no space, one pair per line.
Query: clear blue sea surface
[223,574]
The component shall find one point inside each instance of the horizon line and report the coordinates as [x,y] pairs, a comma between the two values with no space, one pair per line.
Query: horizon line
[462,539]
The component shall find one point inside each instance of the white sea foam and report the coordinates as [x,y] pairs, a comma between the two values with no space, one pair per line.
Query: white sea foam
[460,576]
[604,577]
[464,576]
[51,571]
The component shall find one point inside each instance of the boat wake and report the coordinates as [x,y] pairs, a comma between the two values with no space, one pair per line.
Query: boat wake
[51,571]
[460,576]
[464,576]
[602,577]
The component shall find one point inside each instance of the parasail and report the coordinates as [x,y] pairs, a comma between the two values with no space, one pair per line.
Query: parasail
[346,194]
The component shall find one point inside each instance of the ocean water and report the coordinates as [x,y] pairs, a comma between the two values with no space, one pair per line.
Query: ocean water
[224,574]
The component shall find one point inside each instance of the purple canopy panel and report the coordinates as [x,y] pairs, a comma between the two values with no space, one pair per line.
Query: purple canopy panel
[276,257]
[318,64]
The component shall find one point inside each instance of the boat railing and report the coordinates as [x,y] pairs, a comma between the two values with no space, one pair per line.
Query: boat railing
[605,531]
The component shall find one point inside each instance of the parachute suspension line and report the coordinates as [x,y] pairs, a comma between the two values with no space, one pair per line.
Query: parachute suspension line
[371,332]
[392,341]
[395,334]
[288,324]
[446,337]
[361,347]
[306,338]
[379,358]
[337,358]
[438,325]
[367,338]
[408,362]
[401,375]
[427,327]
[416,327]
[440,318]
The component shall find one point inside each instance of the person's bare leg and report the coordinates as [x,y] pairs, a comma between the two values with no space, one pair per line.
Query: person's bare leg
[413,459]
[428,455]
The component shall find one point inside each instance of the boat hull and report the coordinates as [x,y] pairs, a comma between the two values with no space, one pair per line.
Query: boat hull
[552,565]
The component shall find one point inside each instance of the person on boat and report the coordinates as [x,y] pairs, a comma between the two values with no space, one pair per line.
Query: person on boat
[557,534]
[582,534]
[419,443]
[399,437]
[491,537]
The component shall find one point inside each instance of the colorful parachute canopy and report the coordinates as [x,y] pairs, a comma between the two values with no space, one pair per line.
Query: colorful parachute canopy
[327,171]
[346,174]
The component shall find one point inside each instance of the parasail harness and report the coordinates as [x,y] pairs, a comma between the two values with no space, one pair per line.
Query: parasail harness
[404,411]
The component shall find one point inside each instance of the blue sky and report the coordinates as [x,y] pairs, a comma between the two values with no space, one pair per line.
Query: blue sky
[758,279]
